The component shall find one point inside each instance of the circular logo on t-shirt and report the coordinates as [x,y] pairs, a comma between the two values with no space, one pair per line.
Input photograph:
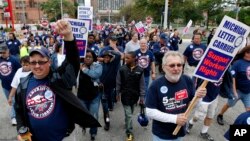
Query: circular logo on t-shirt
[164,49]
[143,61]
[248,121]
[197,53]
[40,101]
[164,89]
[5,68]
[248,72]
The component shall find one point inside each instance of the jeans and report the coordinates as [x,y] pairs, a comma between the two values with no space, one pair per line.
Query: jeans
[155,138]
[128,110]
[93,107]
[244,97]
[7,93]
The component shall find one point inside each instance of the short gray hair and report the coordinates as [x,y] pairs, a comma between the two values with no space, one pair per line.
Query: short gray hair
[172,53]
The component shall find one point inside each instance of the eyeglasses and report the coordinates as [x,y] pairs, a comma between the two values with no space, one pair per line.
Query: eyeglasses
[174,65]
[40,63]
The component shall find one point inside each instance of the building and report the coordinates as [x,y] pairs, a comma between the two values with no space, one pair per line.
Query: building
[106,10]
[25,11]
[28,11]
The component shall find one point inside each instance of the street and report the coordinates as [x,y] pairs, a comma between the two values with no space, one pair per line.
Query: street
[117,130]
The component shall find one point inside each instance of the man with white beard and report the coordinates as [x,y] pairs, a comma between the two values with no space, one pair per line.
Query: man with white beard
[168,98]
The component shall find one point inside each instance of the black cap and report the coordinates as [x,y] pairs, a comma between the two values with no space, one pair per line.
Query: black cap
[3,47]
[107,53]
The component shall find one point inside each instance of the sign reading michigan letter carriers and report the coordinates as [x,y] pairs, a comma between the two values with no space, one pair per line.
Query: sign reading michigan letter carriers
[226,42]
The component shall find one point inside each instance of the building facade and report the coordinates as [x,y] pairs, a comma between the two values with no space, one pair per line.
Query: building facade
[28,11]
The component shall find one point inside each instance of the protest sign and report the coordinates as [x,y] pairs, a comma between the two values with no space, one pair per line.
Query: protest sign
[86,13]
[226,42]
[140,27]
[80,31]
[185,30]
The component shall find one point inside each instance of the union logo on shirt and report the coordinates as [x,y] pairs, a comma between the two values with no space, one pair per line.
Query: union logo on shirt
[180,95]
[248,72]
[197,53]
[143,61]
[40,101]
[5,68]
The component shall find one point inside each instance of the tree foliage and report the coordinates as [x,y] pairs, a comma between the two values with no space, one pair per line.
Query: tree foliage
[53,8]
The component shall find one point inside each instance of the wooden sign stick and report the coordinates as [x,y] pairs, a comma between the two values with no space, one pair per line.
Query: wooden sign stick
[190,107]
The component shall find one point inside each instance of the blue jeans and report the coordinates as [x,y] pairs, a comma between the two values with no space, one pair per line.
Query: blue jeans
[93,107]
[155,138]
[12,113]
[244,97]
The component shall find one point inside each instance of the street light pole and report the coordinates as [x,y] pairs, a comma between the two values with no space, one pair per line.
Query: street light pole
[165,15]
[24,17]
[109,9]
[61,10]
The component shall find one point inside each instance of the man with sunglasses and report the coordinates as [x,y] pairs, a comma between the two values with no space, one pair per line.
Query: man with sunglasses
[9,64]
[45,105]
[168,98]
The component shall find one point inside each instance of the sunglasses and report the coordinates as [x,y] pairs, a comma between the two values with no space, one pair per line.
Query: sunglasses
[174,65]
[40,63]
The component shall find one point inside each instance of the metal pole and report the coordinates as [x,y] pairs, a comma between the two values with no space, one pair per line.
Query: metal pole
[165,15]
[237,9]
[109,10]
[24,17]
[61,10]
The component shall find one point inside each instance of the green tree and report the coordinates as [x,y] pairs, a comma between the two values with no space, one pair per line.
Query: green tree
[244,15]
[211,7]
[186,10]
[53,9]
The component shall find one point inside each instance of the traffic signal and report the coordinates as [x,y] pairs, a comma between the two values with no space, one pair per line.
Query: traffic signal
[5,3]
[170,3]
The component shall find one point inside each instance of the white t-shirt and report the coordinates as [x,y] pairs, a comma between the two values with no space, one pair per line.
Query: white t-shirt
[131,46]
[19,74]
[60,59]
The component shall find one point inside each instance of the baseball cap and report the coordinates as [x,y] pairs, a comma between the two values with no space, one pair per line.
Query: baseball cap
[3,47]
[107,53]
[163,36]
[41,50]
[113,38]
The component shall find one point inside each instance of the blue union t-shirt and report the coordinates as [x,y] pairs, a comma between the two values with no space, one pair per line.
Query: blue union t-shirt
[172,98]
[48,120]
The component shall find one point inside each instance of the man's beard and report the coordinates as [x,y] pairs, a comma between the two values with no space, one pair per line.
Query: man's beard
[172,77]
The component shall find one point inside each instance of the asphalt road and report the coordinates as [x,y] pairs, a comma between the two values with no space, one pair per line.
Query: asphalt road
[117,130]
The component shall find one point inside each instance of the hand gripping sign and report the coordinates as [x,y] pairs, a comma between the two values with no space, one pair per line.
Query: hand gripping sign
[224,45]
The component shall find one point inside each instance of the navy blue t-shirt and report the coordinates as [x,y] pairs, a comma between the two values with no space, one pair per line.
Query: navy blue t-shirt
[174,42]
[194,53]
[242,119]
[172,98]
[13,46]
[8,68]
[94,48]
[48,120]
[213,89]
[144,60]
[241,72]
